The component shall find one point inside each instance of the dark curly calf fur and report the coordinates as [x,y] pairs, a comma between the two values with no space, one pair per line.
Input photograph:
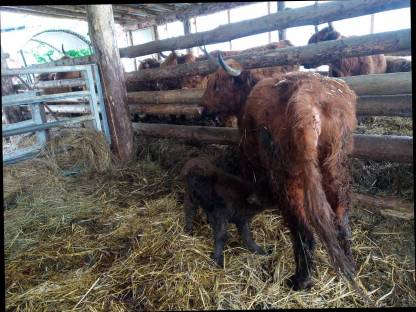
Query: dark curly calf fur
[224,198]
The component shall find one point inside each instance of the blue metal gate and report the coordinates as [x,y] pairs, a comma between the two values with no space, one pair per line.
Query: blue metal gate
[36,102]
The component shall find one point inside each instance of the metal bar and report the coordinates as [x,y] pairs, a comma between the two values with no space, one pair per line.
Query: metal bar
[57,69]
[79,82]
[8,127]
[38,116]
[94,100]
[66,121]
[21,154]
[102,104]
[10,100]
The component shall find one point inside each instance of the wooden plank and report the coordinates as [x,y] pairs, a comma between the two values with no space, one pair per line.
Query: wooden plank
[309,15]
[317,54]
[380,84]
[171,109]
[78,109]
[102,33]
[385,105]
[377,147]
[188,96]
[60,83]
[387,206]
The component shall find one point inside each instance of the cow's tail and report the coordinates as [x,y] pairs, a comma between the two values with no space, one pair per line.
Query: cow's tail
[307,121]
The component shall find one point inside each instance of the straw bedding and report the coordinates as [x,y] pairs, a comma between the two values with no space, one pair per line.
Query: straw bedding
[85,233]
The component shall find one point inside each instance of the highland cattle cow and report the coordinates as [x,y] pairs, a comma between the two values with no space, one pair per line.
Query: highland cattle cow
[296,131]
[348,66]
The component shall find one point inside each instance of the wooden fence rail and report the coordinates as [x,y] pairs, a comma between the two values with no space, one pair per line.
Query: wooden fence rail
[317,54]
[377,147]
[309,15]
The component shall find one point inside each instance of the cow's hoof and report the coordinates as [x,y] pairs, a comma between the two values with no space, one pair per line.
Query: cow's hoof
[219,260]
[299,283]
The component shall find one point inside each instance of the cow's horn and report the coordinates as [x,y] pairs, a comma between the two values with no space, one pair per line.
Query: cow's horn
[162,55]
[233,72]
[209,56]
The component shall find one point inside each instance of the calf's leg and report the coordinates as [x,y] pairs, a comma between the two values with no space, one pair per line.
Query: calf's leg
[246,235]
[190,210]
[219,226]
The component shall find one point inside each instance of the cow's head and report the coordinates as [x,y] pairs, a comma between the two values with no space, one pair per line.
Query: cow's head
[325,34]
[227,89]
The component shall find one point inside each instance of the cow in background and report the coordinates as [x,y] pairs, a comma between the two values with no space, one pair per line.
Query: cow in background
[397,64]
[349,66]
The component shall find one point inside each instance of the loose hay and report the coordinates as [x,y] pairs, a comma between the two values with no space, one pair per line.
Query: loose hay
[111,238]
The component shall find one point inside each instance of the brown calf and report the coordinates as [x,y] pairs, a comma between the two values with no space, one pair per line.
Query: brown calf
[350,66]
[224,198]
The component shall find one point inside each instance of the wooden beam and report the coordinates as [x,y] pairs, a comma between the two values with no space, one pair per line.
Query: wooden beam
[385,105]
[188,96]
[102,34]
[381,84]
[310,15]
[377,147]
[387,206]
[280,8]
[162,109]
[316,54]
[197,9]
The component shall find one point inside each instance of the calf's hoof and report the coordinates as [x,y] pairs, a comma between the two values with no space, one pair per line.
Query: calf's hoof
[299,283]
[219,260]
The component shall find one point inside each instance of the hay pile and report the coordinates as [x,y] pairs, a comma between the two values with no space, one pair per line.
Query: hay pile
[85,233]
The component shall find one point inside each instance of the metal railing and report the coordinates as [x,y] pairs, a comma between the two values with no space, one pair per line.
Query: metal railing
[36,102]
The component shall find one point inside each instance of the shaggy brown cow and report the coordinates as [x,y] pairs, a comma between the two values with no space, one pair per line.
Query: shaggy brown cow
[149,63]
[296,131]
[398,64]
[351,66]
[224,198]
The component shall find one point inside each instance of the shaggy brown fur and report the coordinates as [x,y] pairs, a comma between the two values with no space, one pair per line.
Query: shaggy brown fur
[149,63]
[224,198]
[398,64]
[351,66]
[296,131]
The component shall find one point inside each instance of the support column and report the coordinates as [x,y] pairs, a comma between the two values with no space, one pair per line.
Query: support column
[186,30]
[102,33]
[281,7]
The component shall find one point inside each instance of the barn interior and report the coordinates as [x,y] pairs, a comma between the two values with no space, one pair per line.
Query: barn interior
[93,217]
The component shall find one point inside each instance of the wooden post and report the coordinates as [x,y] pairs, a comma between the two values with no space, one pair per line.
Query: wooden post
[155,38]
[130,40]
[186,30]
[101,29]
[229,21]
[372,24]
[281,7]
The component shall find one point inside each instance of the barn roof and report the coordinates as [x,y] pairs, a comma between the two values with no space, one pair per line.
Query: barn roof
[132,16]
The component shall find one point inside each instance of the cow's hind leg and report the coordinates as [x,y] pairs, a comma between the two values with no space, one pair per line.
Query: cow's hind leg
[301,234]
[337,186]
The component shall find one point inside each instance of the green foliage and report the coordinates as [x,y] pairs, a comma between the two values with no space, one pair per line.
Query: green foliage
[51,55]
[78,53]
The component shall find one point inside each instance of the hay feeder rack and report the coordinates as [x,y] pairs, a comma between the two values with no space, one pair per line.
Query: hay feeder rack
[36,102]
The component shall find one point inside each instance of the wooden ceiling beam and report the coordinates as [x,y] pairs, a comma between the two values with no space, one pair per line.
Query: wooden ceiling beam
[196,9]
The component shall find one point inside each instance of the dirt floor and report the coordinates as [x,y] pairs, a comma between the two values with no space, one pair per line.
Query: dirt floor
[83,233]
